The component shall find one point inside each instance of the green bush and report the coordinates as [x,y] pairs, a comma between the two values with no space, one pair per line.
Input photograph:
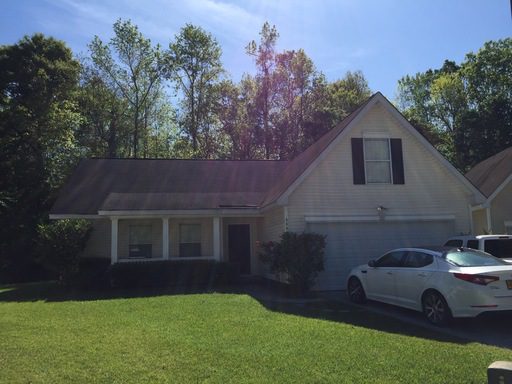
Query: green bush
[59,246]
[298,256]
[168,273]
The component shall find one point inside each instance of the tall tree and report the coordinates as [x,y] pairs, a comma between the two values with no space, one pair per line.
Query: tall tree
[468,108]
[38,118]
[135,73]
[195,65]
[103,131]
[264,54]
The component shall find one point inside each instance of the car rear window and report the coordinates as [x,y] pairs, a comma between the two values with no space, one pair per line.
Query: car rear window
[499,247]
[454,243]
[473,244]
[472,258]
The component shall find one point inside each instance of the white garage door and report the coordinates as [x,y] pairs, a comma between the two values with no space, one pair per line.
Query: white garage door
[351,244]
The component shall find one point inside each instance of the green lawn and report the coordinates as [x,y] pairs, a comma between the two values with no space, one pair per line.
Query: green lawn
[219,338]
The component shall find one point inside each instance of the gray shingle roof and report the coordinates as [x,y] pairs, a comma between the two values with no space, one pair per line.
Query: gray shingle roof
[488,175]
[170,184]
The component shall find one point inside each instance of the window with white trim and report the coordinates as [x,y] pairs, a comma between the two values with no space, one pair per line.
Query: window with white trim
[190,240]
[140,241]
[377,158]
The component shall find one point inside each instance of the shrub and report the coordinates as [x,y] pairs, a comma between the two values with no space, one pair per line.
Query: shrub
[168,273]
[92,273]
[60,244]
[299,256]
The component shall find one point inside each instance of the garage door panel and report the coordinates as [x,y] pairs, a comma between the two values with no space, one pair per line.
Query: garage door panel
[352,244]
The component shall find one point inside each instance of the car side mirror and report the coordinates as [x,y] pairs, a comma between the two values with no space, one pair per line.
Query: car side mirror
[371,263]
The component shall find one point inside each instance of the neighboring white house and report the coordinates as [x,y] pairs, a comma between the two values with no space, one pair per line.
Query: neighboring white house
[493,177]
[370,184]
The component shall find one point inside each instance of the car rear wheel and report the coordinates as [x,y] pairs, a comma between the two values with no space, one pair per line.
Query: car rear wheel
[436,309]
[355,290]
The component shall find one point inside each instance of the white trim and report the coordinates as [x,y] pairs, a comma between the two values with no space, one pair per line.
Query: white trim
[471,223]
[150,259]
[499,189]
[216,238]
[376,135]
[341,219]
[58,216]
[182,213]
[441,217]
[379,98]
[489,219]
[193,258]
[165,238]
[375,218]
[113,239]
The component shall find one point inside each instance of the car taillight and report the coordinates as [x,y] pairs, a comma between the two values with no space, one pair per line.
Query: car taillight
[476,279]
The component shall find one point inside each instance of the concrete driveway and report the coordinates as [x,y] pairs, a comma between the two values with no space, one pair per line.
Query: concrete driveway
[488,328]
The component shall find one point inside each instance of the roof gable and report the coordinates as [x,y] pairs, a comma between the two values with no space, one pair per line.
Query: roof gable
[491,173]
[302,167]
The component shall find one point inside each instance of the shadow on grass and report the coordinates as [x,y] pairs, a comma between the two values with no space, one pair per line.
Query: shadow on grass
[277,298]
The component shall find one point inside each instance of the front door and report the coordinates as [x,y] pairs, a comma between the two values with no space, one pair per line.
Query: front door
[239,246]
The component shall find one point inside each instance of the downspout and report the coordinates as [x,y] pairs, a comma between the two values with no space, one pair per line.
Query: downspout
[285,218]
[489,222]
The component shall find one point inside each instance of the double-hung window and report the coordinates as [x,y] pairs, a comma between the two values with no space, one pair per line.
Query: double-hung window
[140,241]
[190,240]
[377,158]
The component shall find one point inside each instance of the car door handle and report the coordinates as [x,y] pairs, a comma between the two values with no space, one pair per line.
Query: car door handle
[389,273]
[421,275]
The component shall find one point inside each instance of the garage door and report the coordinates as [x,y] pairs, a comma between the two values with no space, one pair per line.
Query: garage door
[351,244]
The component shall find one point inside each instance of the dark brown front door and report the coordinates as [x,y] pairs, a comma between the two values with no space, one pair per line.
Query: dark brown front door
[239,246]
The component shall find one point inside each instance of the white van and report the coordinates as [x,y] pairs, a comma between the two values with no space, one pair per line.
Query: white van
[497,245]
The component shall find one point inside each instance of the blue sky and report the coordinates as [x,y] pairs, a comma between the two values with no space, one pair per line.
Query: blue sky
[384,39]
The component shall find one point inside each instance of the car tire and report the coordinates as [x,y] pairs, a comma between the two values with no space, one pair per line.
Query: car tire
[355,291]
[436,309]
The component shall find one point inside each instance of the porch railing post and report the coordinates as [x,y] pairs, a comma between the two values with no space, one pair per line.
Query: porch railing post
[216,238]
[165,238]
[113,240]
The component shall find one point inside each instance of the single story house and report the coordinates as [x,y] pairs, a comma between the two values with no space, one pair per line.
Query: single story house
[370,184]
[493,177]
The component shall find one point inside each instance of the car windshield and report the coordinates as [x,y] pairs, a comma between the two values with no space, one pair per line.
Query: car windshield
[499,247]
[464,257]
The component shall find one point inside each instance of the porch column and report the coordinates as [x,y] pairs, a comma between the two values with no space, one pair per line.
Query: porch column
[113,240]
[165,238]
[216,238]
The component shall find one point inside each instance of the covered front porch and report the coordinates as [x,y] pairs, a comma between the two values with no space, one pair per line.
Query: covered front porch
[221,238]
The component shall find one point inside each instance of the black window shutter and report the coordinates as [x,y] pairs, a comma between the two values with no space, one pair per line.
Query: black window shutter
[358,161]
[397,161]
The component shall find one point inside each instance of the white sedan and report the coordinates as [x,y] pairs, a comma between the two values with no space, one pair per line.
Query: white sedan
[440,281]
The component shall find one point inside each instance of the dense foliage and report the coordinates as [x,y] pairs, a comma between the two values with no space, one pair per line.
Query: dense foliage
[297,257]
[59,247]
[467,108]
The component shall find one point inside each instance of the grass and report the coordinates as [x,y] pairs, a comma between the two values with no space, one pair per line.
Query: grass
[218,338]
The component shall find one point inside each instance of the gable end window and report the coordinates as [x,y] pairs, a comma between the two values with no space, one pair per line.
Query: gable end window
[377,161]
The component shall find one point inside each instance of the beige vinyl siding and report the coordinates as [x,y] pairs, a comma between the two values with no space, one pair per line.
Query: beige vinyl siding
[429,187]
[123,236]
[480,222]
[255,231]
[98,244]
[273,224]
[206,236]
[501,210]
